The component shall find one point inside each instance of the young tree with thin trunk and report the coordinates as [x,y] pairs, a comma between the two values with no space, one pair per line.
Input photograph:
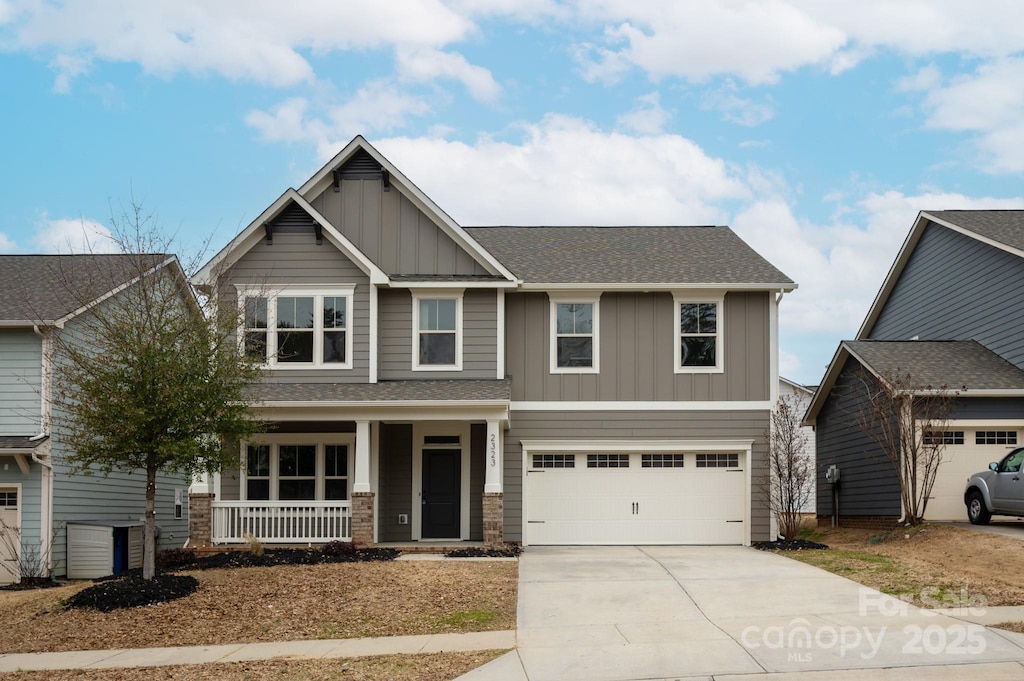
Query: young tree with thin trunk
[907,422]
[150,380]
[790,482]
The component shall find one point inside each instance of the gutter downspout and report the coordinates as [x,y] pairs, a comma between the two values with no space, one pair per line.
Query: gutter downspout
[46,533]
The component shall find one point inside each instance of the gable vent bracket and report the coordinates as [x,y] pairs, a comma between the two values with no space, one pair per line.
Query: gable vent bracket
[319,230]
[336,176]
[386,179]
[269,229]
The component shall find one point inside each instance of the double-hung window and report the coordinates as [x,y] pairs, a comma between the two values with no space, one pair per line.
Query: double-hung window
[299,328]
[297,468]
[437,330]
[698,335]
[574,334]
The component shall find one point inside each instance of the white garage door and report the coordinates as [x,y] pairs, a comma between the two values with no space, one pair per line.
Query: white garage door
[636,498]
[967,452]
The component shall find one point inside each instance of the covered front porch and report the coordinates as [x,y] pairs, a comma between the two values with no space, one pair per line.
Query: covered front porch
[387,471]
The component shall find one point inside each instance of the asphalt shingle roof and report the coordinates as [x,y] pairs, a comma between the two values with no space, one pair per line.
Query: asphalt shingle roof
[1004,226]
[21,441]
[629,255]
[955,364]
[40,288]
[384,391]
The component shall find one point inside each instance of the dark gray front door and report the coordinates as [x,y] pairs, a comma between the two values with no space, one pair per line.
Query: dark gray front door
[442,475]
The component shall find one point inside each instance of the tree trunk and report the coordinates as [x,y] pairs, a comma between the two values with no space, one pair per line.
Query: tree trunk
[149,548]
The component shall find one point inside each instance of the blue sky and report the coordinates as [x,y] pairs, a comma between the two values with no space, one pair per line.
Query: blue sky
[816,129]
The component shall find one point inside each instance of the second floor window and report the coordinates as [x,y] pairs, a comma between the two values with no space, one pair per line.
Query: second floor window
[299,328]
[698,336]
[437,323]
[574,347]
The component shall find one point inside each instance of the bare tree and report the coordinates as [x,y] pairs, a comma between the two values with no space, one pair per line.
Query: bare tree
[907,421]
[790,481]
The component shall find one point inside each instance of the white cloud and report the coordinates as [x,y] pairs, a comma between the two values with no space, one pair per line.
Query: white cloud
[987,103]
[71,235]
[379,106]
[565,170]
[789,364]
[924,79]
[647,117]
[68,67]
[428,64]
[7,245]
[256,40]
[736,109]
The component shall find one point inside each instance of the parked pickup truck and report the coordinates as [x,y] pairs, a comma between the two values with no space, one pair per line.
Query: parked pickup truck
[997,491]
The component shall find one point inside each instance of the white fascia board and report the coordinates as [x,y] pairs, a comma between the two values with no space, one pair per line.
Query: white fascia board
[653,286]
[654,405]
[253,234]
[318,183]
[113,292]
[370,411]
[419,404]
[584,445]
[452,284]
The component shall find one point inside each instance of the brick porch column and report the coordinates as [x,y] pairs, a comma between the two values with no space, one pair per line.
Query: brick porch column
[200,519]
[362,518]
[494,518]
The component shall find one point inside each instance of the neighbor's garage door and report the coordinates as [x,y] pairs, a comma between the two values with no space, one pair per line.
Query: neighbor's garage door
[966,453]
[636,498]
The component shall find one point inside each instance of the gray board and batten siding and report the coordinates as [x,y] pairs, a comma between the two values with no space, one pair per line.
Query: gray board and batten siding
[954,287]
[868,484]
[637,355]
[295,259]
[633,425]
[21,357]
[391,231]
[479,336]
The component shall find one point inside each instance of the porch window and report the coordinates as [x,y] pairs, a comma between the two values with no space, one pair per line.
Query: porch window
[437,331]
[257,472]
[336,472]
[299,328]
[698,338]
[574,334]
[297,472]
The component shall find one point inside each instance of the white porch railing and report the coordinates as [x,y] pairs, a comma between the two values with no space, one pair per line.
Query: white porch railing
[281,522]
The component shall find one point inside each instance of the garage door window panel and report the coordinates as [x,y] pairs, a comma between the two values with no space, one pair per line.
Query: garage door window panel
[554,461]
[662,460]
[943,437]
[995,437]
[607,460]
[718,460]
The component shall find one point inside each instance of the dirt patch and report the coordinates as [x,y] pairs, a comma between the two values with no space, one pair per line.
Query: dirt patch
[343,600]
[940,563]
[437,667]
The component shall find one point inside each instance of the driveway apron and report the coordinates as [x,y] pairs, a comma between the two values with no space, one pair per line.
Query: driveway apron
[620,613]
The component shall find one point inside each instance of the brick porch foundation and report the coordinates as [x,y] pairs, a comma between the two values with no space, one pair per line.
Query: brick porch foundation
[494,519]
[362,518]
[200,519]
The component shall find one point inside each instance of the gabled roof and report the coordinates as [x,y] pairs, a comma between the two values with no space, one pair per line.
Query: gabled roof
[1002,229]
[322,179]
[255,232]
[966,367]
[50,289]
[809,389]
[691,257]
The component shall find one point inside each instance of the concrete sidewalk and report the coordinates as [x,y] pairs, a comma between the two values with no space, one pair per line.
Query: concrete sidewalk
[239,652]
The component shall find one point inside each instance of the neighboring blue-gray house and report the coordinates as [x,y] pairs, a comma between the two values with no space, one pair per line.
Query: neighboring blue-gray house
[41,298]
[950,313]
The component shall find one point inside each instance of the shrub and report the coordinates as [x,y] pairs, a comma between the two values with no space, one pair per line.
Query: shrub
[339,549]
[175,558]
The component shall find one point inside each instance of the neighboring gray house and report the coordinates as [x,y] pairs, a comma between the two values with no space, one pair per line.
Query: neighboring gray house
[950,312]
[39,496]
[543,385]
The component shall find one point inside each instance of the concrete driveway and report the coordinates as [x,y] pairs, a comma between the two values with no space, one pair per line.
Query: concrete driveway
[622,613]
[1006,528]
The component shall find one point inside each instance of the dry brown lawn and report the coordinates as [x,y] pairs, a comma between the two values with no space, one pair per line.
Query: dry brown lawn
[434,667]
[241,605]
[936,557]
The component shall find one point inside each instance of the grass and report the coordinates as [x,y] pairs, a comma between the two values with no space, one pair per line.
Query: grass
[280,603]
[437,667]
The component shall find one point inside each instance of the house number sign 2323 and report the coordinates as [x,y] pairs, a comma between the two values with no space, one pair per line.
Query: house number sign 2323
[494,449]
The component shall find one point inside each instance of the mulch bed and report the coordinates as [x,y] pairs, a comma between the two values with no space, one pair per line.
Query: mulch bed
[788,545]
[132,592]
[28,583]
[510,551]
[335,552]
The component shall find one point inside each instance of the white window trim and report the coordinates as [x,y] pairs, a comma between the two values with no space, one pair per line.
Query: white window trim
[585,297]
[679,298]
[436,294]
[320,440]
[346,291]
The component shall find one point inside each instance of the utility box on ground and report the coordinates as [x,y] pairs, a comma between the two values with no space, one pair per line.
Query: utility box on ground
[98,548]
